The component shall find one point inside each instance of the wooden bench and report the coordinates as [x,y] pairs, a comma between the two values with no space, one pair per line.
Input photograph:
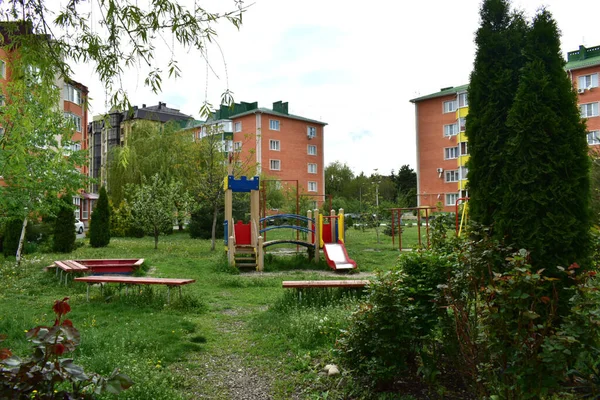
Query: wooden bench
[324,284]
[68,266]
[130,280]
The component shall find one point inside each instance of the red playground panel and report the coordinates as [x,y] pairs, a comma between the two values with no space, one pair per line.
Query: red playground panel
[242,233]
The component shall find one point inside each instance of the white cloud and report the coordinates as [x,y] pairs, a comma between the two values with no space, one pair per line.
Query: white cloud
[354,65]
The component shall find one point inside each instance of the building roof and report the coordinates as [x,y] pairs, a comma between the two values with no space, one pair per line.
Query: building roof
[583,58]
[278,114]
[159,112]
[236,110]
[443,92]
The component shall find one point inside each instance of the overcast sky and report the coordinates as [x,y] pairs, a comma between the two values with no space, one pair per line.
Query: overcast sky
[352,64]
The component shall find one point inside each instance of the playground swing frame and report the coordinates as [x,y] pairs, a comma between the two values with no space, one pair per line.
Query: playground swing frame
[398,212]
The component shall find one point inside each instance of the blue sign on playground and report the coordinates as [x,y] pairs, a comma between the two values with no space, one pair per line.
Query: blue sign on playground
[243,185]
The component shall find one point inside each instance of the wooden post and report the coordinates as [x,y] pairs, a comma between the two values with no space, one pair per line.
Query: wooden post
[260,255]
[231,251]
[332,222]
[317,234]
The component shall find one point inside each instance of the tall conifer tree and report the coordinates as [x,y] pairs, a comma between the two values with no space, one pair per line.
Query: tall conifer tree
[100,223]
[492,88]
[545,206]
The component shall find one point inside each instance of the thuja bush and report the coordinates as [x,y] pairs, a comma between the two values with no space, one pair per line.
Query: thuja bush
[64,227]
[12,232]
[100,222]
[48,373]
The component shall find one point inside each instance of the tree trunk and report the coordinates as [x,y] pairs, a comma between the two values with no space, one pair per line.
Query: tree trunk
[156,233]
[214,229]
[21,240]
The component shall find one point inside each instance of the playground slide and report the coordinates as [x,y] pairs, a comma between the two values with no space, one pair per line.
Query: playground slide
[337,257]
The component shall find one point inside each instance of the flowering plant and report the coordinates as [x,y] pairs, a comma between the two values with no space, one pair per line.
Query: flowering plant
[46,374]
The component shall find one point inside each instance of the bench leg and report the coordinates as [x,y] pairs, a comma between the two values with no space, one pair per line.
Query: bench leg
[168,294]
[88,292]
[102,289]
[126,290]
[179,292]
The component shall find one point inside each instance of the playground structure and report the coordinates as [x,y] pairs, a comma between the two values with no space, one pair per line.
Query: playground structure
[245,244]
[397,219]
[465,214]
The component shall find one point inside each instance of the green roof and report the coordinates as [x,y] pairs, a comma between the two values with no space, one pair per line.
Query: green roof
[442,92]
[582,58]
[278,114]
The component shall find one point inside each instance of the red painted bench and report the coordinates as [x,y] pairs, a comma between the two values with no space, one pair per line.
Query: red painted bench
[68,266]
[131,280]
[324,284]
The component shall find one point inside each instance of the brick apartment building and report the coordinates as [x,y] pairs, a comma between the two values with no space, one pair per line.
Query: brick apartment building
[442,145]
[110,130]
[74,106]
[281,145]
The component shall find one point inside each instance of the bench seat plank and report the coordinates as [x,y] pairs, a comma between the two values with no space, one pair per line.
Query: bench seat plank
[325,284]
[135,280]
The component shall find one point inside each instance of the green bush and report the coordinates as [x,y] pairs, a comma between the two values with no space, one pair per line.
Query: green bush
[64,227]
[200,225]
[12,233]
[100,222]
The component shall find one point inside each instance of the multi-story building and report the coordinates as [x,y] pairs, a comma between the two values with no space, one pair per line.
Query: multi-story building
[442,145]
[282,146]
[111,130]
[74,106]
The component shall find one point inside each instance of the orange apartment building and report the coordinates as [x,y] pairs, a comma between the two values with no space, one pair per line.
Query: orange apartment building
[442,144]
[73,103]
[283,146]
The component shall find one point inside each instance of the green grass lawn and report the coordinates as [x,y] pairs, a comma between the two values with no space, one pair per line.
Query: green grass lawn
[172,351]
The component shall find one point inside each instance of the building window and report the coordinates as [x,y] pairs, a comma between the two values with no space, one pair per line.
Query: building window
[311,132]
[452,176]
[75,119]
[588,81]
[312,168]
[2,69]
[451,199]
[274,145]
[275,165]
[449,106]
[312,150]
[463,100]
[464,148]
[72,94]
[589,110]
[592,138]
[450,153]
[238,127]
[274,124]
[462,124]
[312,186]
[464,173]
[237,146]
[451,130]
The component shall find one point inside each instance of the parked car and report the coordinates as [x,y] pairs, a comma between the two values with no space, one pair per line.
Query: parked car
[78,226]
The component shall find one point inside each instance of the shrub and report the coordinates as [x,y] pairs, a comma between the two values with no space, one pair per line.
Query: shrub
[12,233]
[100,222]
[200,226]
[64,227]
[46,374]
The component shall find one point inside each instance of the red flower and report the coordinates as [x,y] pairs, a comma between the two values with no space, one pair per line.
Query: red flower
[574,266]
[67,322]
[545,299]
[592,273]
[61,307]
